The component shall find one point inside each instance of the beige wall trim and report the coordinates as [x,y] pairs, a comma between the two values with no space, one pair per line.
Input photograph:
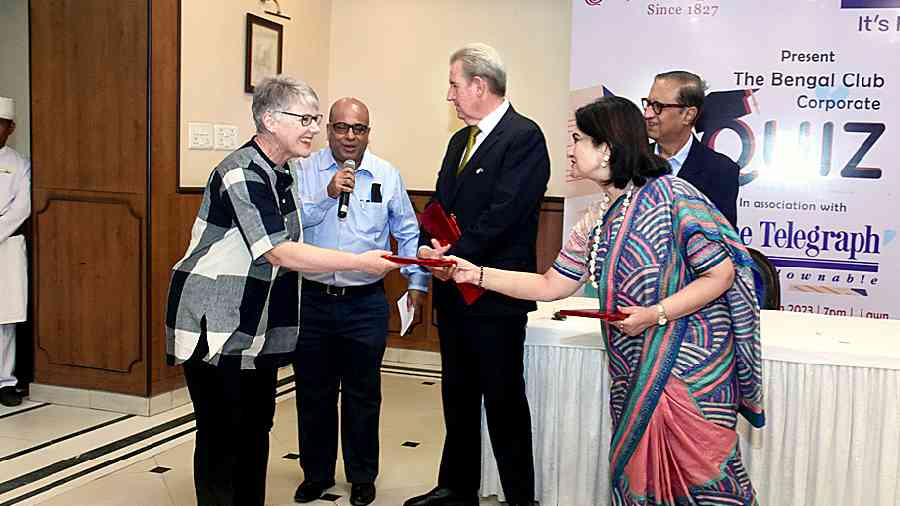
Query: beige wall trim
[109,401]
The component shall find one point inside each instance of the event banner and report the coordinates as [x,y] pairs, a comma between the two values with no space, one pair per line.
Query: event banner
[805,96]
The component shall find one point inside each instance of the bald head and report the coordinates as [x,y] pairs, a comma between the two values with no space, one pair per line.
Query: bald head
[341,105]
[348,130]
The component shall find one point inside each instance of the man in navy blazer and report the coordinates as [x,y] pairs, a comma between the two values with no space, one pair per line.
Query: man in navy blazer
[671,110]
[493,178]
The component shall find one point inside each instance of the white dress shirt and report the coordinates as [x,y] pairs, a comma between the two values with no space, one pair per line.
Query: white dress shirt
[486,125]
[678,160]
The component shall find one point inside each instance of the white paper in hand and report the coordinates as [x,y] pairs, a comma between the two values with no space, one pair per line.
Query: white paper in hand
[407,312]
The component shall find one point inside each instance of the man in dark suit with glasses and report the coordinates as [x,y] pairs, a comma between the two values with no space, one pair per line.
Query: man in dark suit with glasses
[671,110]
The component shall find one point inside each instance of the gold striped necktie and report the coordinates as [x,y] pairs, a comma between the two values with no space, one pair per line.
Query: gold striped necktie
[473,132]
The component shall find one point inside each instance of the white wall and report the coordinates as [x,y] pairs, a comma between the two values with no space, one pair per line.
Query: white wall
[394,56]
[212,66]
[14,69]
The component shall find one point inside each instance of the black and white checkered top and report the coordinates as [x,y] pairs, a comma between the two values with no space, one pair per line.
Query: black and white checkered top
[227,305]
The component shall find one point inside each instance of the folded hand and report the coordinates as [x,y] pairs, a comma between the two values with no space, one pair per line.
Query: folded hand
[639,319]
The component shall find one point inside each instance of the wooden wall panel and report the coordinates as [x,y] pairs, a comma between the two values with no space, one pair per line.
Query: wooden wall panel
[173,216]
[88,286]
[550,232]
[422,334]
[89,110]
[89,98]
[171,213]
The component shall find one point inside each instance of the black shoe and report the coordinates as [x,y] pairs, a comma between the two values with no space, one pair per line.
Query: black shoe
[309,491]
[10,397]
[442,497]
[362,494]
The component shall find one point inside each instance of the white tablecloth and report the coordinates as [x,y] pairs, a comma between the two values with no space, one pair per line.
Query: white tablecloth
[832,394]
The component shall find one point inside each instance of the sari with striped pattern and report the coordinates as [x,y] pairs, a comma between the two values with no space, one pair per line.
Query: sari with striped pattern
[676,389]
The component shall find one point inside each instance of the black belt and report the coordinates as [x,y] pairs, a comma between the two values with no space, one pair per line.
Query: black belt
[342,291]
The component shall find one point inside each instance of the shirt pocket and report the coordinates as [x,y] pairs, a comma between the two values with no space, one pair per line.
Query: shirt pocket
[373,217]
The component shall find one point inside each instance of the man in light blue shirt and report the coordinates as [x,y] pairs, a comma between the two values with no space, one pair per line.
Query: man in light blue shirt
[344,315]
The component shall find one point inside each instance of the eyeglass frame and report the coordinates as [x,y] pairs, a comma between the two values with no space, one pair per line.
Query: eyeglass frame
[346,127]
[658,106]
[305,119]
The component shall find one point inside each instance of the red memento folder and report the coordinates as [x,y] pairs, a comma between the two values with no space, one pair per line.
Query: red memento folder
[445,229]
[425,262]
[593,313]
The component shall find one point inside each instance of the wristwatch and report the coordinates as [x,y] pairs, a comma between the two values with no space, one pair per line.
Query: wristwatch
[661,317]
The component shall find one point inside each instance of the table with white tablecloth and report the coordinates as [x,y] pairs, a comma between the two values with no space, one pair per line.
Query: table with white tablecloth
[832,398]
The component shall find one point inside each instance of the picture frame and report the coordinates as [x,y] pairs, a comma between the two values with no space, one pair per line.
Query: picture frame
[265,42]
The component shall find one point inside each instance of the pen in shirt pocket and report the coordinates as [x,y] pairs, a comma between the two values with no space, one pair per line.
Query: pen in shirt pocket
[375,194]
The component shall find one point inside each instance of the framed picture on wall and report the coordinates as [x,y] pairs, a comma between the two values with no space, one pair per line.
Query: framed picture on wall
[264,45]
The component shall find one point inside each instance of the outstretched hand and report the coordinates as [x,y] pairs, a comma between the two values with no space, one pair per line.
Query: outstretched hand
[437,251]
[464,271]
[373,262]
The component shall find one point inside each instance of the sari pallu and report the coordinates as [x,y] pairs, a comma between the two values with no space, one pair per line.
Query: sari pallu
[677,388]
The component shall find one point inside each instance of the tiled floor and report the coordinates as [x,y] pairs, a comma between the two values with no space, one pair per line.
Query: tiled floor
[58,455]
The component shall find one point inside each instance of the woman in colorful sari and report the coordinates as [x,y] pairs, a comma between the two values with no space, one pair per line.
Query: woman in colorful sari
[686,359]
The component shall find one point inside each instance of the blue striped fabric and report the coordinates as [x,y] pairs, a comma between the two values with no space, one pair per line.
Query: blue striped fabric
[672,234]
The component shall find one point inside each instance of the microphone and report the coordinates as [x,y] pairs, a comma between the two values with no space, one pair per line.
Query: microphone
[344,200]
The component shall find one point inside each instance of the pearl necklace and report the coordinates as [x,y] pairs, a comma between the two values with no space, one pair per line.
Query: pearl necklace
[604,206]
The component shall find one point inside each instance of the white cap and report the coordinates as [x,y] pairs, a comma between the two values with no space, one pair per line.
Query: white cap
[7,108]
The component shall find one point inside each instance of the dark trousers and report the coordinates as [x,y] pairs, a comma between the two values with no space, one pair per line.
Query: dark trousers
[234,411]
[340,347]
[483,357]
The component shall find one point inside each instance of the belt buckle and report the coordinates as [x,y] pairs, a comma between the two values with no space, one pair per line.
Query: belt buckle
[335,291]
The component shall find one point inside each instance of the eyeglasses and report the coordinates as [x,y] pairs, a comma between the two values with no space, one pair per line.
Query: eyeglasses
[658,106]
[305,119]
[342,128]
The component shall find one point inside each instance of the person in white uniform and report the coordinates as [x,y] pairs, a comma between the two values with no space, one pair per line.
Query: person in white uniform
[15,207]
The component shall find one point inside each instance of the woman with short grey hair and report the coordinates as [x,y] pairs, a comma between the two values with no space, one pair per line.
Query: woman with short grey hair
[277,94]
[233,306]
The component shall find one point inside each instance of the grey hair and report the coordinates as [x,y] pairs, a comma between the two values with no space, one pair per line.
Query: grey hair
[691,90]
[278,93]
[483,61]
